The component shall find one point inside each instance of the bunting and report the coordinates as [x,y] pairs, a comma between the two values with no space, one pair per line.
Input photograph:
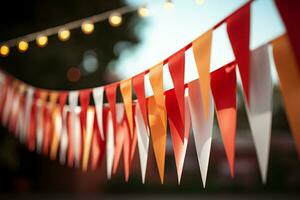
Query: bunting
[65,125]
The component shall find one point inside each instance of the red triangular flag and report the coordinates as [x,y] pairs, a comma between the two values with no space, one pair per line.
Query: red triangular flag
[139,88]
[176,68]
[238,28]
[223,86]
[110,91]
[179,145]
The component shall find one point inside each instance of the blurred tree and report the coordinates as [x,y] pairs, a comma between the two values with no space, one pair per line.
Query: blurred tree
[48,67]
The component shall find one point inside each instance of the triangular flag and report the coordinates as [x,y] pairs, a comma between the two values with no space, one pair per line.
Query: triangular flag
[238,28]
[142,139]
[289,11]
[88,137]
[120,137]
[202,52]
[202,126]
[98,100]
[156,81]
[179,145]
[260,110]
[176,68]
[64,141]
[289,79]
[98,147]
[223,86]
[42,95]
[64,132]
[126,91]
[110,149]
[27,111]
[139,88]
[158,134]
[32,126]
[76,128]
[57,128]
[70,131]
[111,95]
[46,129]
[14,112]
[7,105]
[126,149]
[84,98]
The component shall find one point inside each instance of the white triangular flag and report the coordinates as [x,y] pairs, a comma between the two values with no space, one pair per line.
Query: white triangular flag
[73,101]
[64,137]
[143,140]
[260,110]
[202,127]
[98,100]
[109,145]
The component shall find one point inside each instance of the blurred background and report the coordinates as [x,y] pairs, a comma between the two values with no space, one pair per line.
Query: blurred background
[113,53]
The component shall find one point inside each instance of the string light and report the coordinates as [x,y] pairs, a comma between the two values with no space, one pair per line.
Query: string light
[64,34]
[4,50]
[199,2]
[168,5]
[115,19]
[143,11]
[87,27]
[23,46]
[42,41]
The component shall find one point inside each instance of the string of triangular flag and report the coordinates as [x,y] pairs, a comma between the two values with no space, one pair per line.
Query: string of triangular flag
[63,124]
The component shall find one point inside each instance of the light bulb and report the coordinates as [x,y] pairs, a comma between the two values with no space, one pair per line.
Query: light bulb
[64,34]
[4,50]
[23,46]
[42,40]
[87,27]
[199,2]
[143,11]
[115,19]
[168,5]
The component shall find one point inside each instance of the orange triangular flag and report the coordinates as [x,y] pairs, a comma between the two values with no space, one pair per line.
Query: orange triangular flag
[90,115]
[158,134]
[156,80]
[223,87]
[126,91]
[289,79]
[202,51]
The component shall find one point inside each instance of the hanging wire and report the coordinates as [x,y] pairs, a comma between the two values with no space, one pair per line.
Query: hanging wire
[69,26]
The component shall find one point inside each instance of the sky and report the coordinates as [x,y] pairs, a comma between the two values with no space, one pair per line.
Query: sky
[164,32]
